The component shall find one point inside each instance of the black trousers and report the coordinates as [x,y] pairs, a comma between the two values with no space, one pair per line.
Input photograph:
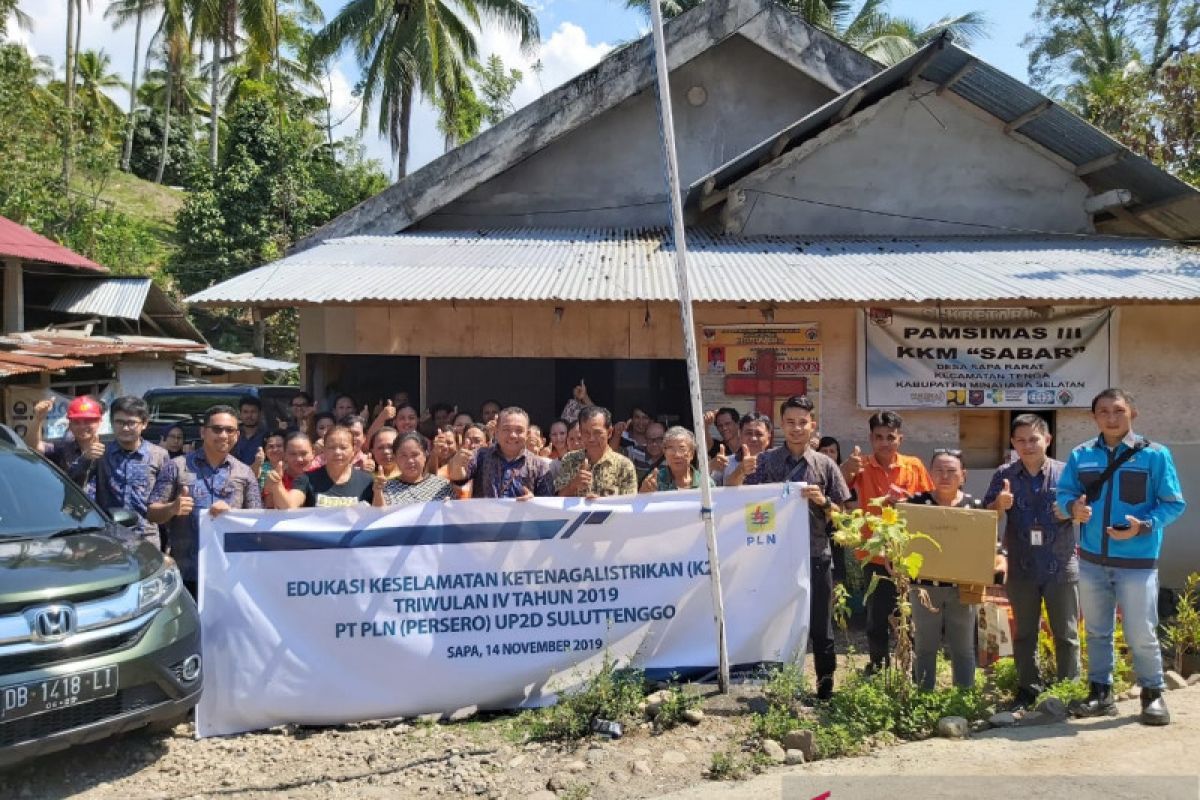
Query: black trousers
[820,622]
[881,605]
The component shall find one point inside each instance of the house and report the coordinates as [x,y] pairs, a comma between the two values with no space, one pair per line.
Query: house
[70,327]
[934,237]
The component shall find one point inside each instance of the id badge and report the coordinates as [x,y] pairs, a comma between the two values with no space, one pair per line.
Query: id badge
[1035,537]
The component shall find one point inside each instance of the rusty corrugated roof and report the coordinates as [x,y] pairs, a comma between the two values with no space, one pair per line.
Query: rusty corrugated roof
[17,241]
[24,364]
[62,344]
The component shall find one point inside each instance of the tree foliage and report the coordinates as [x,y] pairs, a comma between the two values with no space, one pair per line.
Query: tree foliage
[865,25]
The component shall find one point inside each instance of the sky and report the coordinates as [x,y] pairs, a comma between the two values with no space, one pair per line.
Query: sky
[576,34]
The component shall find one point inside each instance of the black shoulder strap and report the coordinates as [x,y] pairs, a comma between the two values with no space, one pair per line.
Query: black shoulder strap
[1093,489]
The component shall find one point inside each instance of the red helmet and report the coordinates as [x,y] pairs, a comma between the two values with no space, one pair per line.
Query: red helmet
[84,408]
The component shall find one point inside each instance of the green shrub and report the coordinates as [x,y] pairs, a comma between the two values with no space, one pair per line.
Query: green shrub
[1004,676]
[612,693]
[671,711]
[864,711]
[726,766]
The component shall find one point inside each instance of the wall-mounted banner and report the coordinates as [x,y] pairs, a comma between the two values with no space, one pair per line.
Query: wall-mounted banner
[983,358]
[335,615]
[758,366]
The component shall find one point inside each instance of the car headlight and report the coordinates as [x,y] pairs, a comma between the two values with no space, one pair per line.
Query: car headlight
[161,587]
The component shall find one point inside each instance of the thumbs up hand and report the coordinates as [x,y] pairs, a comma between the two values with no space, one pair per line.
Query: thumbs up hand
[1081,512]
[853,465]
[184,502]
[747,464]
[721,461]
[583,478]
[380,480]
[650,484]
[1004,500]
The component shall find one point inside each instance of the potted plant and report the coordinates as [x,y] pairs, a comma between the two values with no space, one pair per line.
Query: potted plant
[1183,632]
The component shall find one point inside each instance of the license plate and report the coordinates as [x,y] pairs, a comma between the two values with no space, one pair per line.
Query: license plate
[51,694]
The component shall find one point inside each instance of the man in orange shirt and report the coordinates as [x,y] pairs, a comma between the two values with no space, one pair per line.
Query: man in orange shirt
[894,477]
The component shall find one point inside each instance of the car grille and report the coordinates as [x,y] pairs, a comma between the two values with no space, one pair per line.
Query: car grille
[81,597]
[64,719]
[21,662]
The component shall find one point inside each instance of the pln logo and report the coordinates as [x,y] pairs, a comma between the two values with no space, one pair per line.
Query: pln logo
[760,518]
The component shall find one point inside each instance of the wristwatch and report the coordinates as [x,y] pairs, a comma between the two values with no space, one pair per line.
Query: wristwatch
[828,504]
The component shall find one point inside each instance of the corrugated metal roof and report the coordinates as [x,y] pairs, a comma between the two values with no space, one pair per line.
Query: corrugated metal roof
[18,241]
[107,297]
[21,364]
[996,93]
[634,266]
[67,344]
[222,361]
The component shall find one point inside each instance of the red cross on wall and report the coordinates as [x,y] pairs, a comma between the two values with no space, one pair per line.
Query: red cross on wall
[764,386]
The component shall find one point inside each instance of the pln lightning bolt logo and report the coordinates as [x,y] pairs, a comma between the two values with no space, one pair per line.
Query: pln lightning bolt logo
[760,518]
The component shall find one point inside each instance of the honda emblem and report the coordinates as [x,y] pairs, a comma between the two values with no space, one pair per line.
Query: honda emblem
[53,623]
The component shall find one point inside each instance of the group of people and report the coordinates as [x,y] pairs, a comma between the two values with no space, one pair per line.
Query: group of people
[1077,536]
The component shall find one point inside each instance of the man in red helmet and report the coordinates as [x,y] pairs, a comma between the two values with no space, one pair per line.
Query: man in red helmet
[78,454]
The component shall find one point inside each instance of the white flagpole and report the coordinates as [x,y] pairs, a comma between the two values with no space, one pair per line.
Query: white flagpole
[689,336]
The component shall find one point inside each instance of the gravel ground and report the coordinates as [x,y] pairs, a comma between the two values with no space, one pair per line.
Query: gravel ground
[383,759]
[478,758]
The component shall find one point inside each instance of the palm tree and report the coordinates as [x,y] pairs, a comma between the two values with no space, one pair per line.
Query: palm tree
[69,82]
[93,77]
[121,12]
[889,40]
[175,48]
[8,8]
[187,88]
[403,47]
[869,28]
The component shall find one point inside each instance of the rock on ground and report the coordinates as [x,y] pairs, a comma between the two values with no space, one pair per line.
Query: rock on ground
[953,728]
[774,751]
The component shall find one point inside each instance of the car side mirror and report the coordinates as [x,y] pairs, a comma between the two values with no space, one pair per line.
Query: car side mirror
[123,516]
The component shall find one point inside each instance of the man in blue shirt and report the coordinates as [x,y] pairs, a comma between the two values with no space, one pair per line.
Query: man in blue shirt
[1042,565]
[1121,517]
[209,479]
[251,432]
[131,468]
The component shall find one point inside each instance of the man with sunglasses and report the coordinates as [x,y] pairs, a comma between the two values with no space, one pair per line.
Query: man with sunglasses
[132,468]
[1042,565]
[209,479]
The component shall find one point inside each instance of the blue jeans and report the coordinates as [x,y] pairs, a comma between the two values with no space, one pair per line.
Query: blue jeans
[1101,590]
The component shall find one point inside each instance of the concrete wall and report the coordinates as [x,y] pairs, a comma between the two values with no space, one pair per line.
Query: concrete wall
[616,159]
[920,156]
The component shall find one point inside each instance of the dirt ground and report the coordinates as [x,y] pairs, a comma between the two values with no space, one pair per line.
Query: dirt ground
[410,759]
[1080,760]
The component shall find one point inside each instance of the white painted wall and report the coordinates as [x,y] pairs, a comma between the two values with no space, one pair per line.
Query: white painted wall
[914,154]
[136,376]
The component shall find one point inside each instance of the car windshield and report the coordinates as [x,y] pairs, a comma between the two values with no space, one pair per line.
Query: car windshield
[186,406]
[37,501]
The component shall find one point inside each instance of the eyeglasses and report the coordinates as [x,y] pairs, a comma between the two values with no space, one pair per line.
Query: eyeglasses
[126,423]
[226,429]
[654,439]
[946,451]
[301,404]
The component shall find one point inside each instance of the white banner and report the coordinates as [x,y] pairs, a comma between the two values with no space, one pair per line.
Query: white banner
[336,615]
[983,358]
